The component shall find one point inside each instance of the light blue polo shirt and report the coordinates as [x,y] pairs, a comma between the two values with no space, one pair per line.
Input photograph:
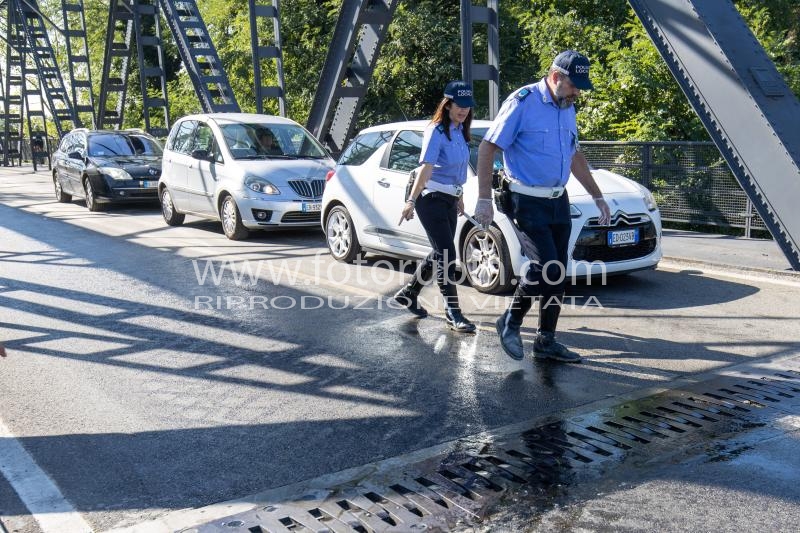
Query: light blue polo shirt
[449,157]
[537,137]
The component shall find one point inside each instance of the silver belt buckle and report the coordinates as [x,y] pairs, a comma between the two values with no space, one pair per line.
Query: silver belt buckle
[459,190]
[556,193]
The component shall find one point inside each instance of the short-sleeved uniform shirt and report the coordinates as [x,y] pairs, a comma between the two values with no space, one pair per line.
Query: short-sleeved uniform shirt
[537,137]
[449,157]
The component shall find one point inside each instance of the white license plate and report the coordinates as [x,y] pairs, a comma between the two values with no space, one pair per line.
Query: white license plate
[311,208]
[147,184]
[623,237]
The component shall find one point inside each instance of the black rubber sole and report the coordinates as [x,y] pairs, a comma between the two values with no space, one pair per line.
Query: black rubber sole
[542,356]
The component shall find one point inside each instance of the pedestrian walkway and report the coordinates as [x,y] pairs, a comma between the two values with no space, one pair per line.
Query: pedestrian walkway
[725,251]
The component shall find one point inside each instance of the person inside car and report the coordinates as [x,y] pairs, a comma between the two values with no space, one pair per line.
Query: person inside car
[267,142]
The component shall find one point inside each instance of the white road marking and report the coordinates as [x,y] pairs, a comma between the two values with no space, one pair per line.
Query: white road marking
[36,490]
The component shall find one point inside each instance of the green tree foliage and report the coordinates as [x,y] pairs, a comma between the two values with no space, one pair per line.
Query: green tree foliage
[636,97]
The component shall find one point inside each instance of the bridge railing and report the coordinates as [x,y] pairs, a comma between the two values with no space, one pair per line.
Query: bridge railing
[690,180]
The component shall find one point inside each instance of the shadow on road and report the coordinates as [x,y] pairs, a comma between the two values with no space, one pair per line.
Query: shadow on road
[268,396]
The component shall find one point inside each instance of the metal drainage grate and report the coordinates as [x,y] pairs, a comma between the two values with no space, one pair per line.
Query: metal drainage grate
[458,488]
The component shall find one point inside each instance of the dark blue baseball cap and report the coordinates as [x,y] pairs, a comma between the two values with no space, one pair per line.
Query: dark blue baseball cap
[460,92]
[576,66]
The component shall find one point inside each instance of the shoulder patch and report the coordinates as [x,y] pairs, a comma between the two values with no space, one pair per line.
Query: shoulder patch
[440,128]
[522,94]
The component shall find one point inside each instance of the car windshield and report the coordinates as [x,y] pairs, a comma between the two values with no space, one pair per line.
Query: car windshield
[477,137]
[119,144]
[265,141]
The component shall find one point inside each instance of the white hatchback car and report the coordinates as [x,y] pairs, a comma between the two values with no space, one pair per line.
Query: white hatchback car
[363,199]
[249,171]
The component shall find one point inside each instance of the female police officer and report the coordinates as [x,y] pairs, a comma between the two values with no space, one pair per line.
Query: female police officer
[436,196]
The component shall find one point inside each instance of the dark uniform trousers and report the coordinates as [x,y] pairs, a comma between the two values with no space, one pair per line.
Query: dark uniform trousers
[438,215]
[547,223]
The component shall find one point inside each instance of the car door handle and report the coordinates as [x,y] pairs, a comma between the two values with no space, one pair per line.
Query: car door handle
[383,183]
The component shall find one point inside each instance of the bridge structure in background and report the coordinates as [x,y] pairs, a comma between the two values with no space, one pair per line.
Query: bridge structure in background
[728,78]
[741,98]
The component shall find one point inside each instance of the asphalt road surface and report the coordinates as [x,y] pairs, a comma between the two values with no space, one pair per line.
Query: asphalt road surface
[153,369]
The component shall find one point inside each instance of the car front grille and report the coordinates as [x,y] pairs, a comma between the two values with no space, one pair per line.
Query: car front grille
[307,188]
[592,243]
[609,255]
[299,216]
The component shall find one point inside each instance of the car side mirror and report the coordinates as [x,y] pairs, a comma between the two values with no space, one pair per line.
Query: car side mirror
[75,155]
[203,155]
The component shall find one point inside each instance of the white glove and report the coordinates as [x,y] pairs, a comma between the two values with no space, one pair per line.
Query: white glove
[484,212]
[605,211]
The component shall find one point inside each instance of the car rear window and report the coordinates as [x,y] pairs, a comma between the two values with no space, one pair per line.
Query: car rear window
[114,144]
[363,146]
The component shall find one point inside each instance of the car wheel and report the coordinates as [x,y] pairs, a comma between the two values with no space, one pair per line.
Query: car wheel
[486,260]
[91,197]
[171,216]
[232,220]
[341,235]
[61,196]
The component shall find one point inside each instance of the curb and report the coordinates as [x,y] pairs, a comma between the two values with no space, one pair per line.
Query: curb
[787,275]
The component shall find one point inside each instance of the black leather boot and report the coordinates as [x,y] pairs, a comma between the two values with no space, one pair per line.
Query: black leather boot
[509,323]
[407,296]
[545,345]
[452,311]
[549,311]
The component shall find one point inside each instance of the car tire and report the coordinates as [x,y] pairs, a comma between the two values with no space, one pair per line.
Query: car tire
[340,235]
[486,261]
[171,216]
[61,196]
[232,220]
[91,197]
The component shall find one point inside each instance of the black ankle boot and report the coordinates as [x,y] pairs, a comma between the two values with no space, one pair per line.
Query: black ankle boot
[407,296]
[452,311]
[509,323]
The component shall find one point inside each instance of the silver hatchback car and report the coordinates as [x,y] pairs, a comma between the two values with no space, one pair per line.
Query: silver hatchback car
[248,171]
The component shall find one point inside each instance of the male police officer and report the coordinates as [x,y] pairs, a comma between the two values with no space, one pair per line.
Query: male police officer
[537,132]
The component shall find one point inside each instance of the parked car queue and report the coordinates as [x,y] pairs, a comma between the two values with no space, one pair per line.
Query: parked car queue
[252,172]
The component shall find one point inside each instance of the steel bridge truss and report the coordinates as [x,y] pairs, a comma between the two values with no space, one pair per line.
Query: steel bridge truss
[32,73]
[136,21]
[265,13]
[742,100]
[352,56]
[199,56]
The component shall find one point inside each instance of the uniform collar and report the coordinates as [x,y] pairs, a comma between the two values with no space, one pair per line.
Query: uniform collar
[544,91]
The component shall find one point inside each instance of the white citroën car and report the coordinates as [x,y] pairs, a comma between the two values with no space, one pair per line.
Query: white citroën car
[363,199]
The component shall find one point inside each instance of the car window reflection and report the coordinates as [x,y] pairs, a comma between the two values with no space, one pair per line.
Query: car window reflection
[405,152]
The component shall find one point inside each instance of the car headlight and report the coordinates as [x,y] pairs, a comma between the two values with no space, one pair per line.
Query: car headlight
[574,212]
[649,200]
[254,183]
[115,173]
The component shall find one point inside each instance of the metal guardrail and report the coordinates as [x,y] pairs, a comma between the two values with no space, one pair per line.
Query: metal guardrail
[690,180]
